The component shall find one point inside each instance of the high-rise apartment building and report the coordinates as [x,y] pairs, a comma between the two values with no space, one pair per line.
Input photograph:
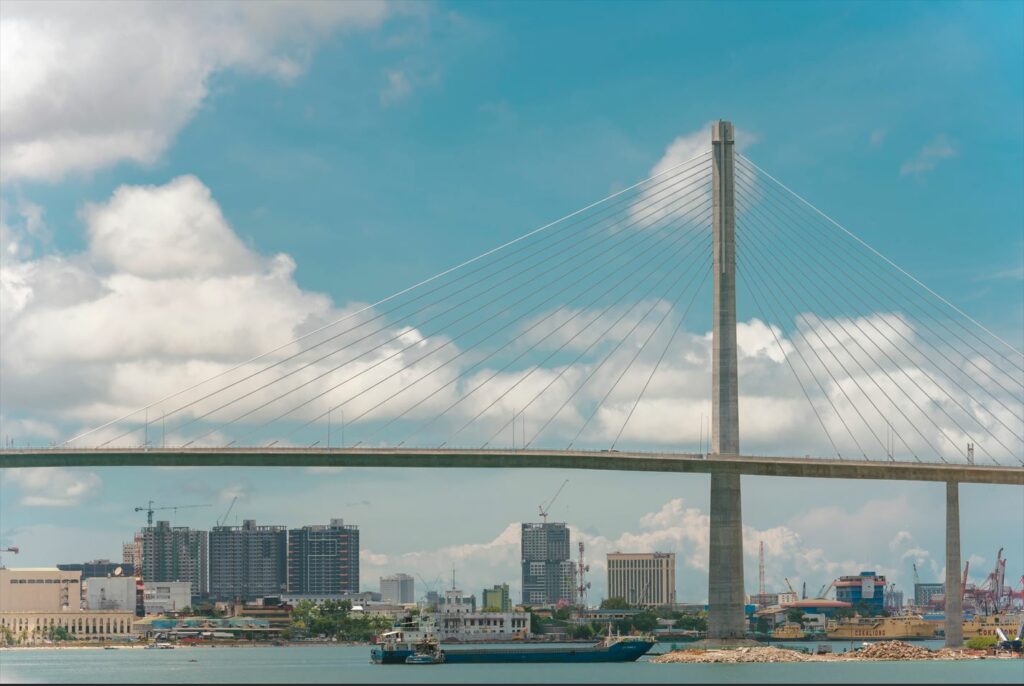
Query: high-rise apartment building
[924,593]
[398,588]
[176,554]
[647,579]
[324,559]
[547,569]
[248,561]
[131,553]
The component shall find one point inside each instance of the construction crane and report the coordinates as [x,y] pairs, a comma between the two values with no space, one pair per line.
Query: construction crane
[224,520]
[760,570]
[917,578]
[790,586]
[150,510]
[12,549]
[826,588]
[545,508]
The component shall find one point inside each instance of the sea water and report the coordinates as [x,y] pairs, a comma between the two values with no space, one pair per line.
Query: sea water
[351,664]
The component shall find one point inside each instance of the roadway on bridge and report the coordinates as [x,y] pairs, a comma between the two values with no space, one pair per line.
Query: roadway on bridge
[512,459]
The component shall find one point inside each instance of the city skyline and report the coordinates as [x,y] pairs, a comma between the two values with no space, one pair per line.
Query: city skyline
[331,161]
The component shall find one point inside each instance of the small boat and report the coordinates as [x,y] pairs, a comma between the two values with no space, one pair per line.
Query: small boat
[424,659]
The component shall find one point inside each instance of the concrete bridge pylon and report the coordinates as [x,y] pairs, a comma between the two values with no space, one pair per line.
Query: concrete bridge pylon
[726,620]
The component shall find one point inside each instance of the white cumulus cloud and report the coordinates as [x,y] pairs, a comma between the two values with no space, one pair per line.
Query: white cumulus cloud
[85,85]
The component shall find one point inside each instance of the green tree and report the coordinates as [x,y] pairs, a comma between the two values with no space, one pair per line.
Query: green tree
[59,633]
[981,642]
[692,622]
[537,623]
[582,631]
[762,626]
[795,615]
[616,603]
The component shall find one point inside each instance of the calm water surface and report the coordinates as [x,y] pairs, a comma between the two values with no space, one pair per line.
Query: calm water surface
[350,664]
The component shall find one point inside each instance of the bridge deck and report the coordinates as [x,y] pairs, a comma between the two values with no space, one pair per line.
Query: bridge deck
[511,459]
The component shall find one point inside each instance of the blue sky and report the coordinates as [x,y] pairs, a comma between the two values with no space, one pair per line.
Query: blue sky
[376,145]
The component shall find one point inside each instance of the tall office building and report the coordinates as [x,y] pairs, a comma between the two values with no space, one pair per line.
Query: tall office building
[547,569]
[497,597]
[647,579]
[398,588]
[176,554]
[248,561]
[324,559]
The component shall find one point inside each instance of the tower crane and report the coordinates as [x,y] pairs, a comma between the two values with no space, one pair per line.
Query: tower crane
[12,549]
[545,508]
[149,510]
[224,520]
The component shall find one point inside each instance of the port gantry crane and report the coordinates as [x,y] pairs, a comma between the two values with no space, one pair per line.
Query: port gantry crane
[149,510]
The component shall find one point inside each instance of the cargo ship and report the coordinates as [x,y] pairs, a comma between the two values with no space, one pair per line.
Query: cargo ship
[408,638]
[986,625]
[903,627]
[610,649]
[789,632]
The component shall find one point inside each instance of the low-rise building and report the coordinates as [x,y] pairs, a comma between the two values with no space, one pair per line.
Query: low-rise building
[40,589]
[113,593]
[83,625]
[865,591]
[458,620]
[97,568]
[163,597]
[362,598]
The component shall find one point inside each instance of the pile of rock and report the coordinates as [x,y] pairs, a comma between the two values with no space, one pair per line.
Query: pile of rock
[738,655]
[891,650]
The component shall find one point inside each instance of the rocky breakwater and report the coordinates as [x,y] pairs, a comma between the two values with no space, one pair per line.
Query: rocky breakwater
[887,650]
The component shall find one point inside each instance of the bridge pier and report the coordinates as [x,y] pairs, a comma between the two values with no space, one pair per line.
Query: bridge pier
[954,594]
[726,619]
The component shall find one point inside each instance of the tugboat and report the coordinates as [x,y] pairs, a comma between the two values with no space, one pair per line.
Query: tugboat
[428,652]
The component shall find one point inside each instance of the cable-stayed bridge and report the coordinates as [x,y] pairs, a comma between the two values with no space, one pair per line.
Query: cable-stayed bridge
[570,347]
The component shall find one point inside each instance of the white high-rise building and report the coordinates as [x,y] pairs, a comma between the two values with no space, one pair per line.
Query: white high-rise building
[647,579]
[398,588]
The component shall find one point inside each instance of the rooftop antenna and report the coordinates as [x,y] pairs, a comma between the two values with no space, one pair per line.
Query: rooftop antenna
[581,570]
